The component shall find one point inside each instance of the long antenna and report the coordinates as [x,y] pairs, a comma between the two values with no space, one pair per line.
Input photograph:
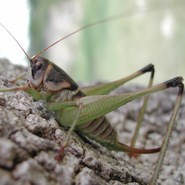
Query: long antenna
[16,41]
[106,20]
[119,16]
[122,15]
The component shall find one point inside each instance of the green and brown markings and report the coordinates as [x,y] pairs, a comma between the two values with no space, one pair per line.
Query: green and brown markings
[84,109]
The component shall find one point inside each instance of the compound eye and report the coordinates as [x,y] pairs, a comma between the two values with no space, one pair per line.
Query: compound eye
[39,66]
[37,69]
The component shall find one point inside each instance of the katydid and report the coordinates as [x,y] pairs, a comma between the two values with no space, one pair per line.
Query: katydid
[84,109]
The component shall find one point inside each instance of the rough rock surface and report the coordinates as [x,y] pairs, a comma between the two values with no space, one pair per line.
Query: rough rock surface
[30,138]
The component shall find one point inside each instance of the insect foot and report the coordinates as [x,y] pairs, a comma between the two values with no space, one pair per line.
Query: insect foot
[60,154]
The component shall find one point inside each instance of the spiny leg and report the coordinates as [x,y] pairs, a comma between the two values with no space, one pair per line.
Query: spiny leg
[105,88]
[19,88]
[28,89]
[143,109]
[20,77]
[99,105]
[168,134]
[60,153]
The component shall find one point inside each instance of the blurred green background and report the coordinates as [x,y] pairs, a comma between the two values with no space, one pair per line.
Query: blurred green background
[147,32]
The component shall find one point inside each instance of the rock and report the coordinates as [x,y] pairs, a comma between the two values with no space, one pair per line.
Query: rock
[30,138]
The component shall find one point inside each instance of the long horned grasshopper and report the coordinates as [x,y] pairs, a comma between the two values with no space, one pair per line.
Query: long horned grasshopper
[84,109]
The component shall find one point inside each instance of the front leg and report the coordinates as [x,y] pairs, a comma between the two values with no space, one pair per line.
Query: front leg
[28,88]
[62,105]
[20,77]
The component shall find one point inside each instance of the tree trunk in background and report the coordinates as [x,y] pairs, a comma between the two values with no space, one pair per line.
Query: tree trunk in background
[39,14]
[148,31]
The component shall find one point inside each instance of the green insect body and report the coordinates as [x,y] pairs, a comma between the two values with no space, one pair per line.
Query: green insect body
[51,83]
[84,109]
